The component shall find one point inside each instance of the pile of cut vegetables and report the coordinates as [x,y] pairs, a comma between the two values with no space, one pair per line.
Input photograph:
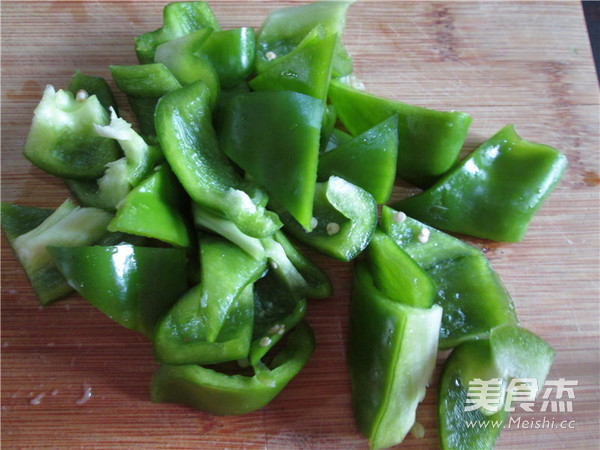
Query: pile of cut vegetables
[183,225]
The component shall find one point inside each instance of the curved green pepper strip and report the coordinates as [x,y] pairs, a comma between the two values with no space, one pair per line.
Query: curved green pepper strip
[494,192]
[62,140]
[232,53]
[121,280]
[337,138]
[179,19]
[257,126]
[284,29]
[392,349]
[469,290]
[154,209]
[183,57]
[219,393]
[510,354]
[345,218]
[368,160]
[197,320]
[429,140]
[68,225]
[188,140]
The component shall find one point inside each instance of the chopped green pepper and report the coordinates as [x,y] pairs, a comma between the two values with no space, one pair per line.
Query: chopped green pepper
[344,220]
[62,140]
[93,86]
[392,350]
[155,209]
[429,140]
[469,290]
[189,143]
[179,19]
[368,160]
[274,136]
[286,27]
[494,192]
[204,315]
[122,282]
[69,225]
[224,394]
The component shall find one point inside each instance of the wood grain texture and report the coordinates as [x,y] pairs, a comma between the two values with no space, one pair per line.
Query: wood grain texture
[526,63]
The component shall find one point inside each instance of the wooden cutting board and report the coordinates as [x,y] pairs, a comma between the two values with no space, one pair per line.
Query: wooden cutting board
[523,63]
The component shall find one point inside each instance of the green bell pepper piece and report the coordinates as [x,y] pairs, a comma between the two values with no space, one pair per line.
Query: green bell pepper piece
[183,57]
[144,85]
[392,350]
[511,354]
[189,143]
[232,54]
[62,140]
[305,69]
[469,290]
[337,138]
[122,282]
[469,361]
[494,192]
[368,160]
[396,274]
[302,277]
[179,19]
[345,218]
[286,27]
[204,315]
[155,209]
[225,394]
[69,225]
[327,127]
[277,310]
[429,140]
[256,126]
[93,86]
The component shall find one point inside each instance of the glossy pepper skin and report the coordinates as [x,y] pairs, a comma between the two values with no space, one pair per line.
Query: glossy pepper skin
[184,126]
[155,209]
[228,394]
[392,349]
[510,353]
[210,314]
[274,137]
[124,282]
[429,141]
[345,218]
[494,192]
[468,289]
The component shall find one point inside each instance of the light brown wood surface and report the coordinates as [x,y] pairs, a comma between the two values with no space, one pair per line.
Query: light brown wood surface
[503,62]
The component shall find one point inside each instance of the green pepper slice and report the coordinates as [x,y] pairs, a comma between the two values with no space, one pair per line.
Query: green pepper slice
[368,160]
[344,220]
[224,394]
[189,143]
[429,140]
[93,86]
[62,140]
[392,350]
[185,334]
[154,209]
[274,136]
[494,192]
[469,290]
[179,19]
[122,282]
